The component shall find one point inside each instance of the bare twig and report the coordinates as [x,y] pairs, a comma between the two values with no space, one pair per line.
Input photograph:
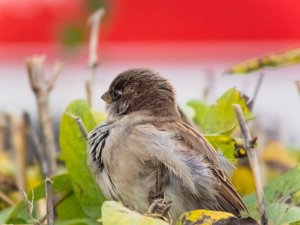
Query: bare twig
[298,85]
[38,149]
[55,74]
[41,87]
[49,200]
[210,82]
[56,204]
[80,124]
[2,131]
[7,199]
[94,21]
[253,160]
[29,206]
[19,147]
[88,89]
[256,91]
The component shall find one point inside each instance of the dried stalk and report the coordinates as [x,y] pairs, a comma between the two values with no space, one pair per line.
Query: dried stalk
[29,206]
[94,22]
[298,85]
[88,89]
[49,200]
[56,204]
[79,121]
[38,149]
[256,91]
[2,131]
[7,199]
[41,87]
[19,147]
[254,164]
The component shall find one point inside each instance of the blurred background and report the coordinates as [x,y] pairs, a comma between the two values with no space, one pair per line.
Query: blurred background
[190,42]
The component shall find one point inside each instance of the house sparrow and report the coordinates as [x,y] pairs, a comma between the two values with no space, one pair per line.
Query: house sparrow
[144,140]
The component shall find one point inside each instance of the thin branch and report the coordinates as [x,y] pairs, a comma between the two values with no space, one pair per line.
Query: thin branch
[253,160]
[37,149]
[49,200]
[57,68]
[256,91]
[3,126]
[7,199]
[298,85]
[19,146]
[210,81]
[41,87]
[94,21]
[88,89]
[56,204]
[80,123]
[29,206]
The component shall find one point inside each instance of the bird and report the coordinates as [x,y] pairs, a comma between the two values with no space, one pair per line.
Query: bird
[146,151]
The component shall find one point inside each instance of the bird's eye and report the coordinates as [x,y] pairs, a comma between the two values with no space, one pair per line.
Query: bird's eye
[115,95]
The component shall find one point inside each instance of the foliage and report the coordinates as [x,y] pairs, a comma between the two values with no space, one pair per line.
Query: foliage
[218,121]
[271,60]
[18,214]
[74,147]
[219,118]
[115,213]
[78,191]
[206,217]
[282,199]
[243,180]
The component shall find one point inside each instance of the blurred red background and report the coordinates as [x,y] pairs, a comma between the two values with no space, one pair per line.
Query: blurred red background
[169,20]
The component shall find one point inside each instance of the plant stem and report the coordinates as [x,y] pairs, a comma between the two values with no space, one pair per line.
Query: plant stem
[253,160]
[49,200]
[79,121]
[41,87]
[94,22]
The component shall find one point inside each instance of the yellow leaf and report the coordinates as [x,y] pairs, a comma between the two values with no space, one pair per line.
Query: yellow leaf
[201,216]
[33,177]
[243,180]
[270,60]
[114,213]
[7,167]
[275,152]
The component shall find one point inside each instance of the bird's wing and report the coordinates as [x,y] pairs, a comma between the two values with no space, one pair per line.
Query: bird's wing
[151,144]
[189,157]
[193,141]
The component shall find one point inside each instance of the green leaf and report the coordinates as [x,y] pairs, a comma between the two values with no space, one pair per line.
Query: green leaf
[200,108]
[61,184]
[4,213]
[74,150]
[74,209]
[115,213]
[223,143]
[279,194]
[270,60]
[80,221]
[220,118]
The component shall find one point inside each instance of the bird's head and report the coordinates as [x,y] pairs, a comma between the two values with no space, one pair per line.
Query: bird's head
[140,90]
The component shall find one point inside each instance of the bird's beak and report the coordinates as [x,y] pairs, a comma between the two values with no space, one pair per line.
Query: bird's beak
[106,97]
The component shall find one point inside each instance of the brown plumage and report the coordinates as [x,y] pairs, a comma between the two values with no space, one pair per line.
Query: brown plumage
[145,136]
